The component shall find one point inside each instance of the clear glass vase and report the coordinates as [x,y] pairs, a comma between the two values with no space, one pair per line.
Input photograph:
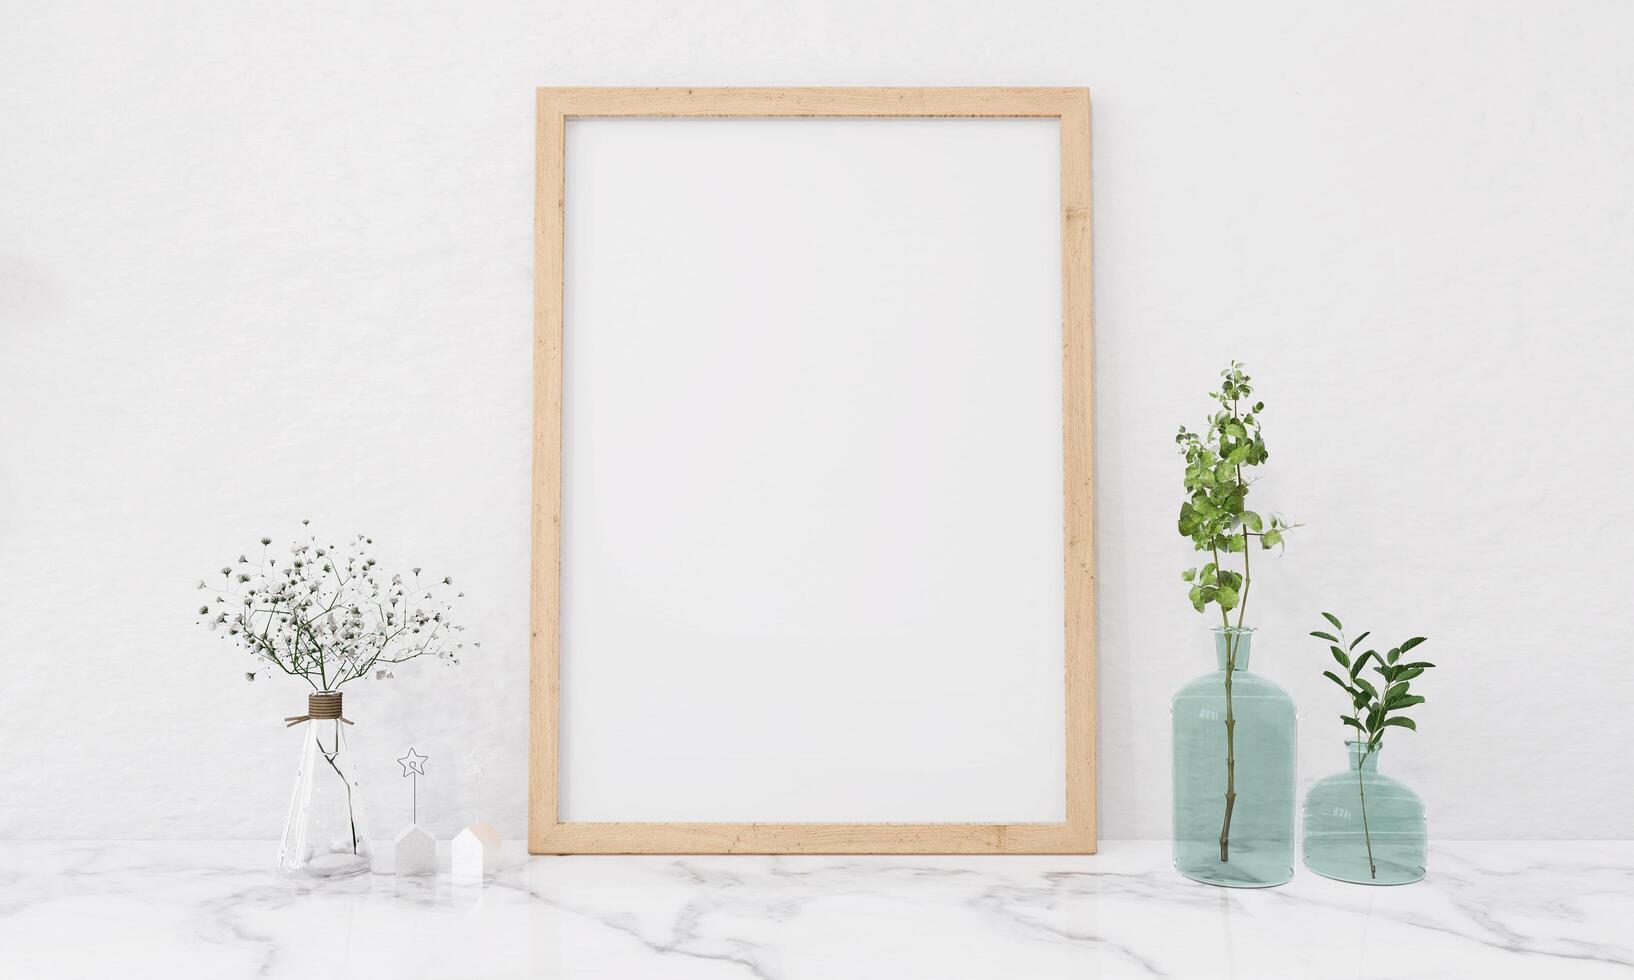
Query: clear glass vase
[326,834]
[1363,826]
[1233,772]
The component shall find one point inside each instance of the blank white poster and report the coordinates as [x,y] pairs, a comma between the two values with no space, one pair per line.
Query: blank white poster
[812,471]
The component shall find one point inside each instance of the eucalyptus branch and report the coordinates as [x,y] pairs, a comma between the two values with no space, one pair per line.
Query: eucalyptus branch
[1214,516]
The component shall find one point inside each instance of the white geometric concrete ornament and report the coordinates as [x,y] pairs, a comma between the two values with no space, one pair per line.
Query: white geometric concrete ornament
[475,851]
[415,849]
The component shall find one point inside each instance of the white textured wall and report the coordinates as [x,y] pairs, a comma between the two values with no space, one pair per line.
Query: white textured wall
[260,263]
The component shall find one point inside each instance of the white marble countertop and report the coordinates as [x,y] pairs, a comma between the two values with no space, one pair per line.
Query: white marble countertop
[173,910]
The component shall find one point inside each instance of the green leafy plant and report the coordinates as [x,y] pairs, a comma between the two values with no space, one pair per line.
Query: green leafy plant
[1216,518]
[1372,710]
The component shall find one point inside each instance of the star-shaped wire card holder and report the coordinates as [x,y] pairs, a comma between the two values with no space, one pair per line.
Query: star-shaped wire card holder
[414,766]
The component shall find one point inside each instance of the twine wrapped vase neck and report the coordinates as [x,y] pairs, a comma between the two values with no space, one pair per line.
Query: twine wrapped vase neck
[320,706]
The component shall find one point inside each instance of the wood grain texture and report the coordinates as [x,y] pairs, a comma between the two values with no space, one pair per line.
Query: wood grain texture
[812,838]
[682,102]
[544,694]
[1078,437]
[546,833]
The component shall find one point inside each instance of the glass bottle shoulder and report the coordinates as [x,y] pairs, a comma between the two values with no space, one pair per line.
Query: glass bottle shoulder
[1244,684]
[1376,783]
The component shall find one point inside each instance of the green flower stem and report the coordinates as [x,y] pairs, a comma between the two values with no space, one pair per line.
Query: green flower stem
[1361,789]
[1248,578]
[1231,744]
[1232,641]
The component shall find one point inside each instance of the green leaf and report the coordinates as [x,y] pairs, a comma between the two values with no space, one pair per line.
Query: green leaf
[1252,521]
[1415,641]
[1359,662]
[1339,655]
[1330,675]
[1407,702]
[1362,683]
[1354,643]
[1197,601]
[1350,720]
[1270,539]
[1227,598]
[1188,575]
[1400,722]
[1325,636]
[1334,620]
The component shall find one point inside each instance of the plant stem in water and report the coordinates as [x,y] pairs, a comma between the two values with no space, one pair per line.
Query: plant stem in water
[329,757]
[1231,748]
[1361,788]
[1232,640]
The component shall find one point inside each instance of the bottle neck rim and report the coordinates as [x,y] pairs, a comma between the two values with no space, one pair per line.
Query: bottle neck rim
[1232,645]
[1360,757]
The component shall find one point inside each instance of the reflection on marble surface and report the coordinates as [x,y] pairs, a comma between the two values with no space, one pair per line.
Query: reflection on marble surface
[1514,909]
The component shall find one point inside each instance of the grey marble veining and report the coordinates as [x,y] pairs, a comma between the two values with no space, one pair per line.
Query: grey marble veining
[1513,909]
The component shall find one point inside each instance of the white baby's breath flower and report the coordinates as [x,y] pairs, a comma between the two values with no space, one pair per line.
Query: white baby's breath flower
[328,617]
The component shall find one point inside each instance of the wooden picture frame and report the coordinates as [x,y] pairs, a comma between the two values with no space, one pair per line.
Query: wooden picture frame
[547,834]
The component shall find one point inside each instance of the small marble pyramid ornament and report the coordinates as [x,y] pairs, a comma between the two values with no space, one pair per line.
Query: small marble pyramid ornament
[415,849]
[475,851]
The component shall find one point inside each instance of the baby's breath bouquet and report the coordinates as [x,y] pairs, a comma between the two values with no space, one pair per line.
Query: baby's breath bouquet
[327,614]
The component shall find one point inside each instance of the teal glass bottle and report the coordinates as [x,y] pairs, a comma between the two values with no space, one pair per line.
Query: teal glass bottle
[1233,772]
[1363,826]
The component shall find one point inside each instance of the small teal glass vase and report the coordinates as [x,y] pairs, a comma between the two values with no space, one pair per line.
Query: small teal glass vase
[1233,772]
[1363,826]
